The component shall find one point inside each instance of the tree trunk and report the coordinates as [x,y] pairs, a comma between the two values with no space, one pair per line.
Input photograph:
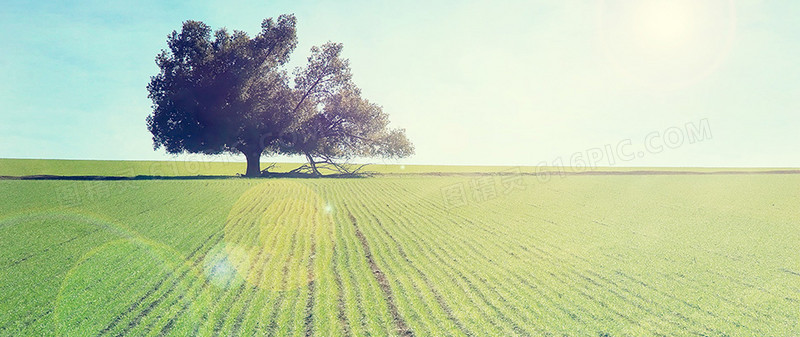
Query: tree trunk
[253,163]
[313,165]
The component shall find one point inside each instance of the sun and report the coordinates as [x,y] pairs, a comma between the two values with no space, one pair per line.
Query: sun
[665,43]
[666,25]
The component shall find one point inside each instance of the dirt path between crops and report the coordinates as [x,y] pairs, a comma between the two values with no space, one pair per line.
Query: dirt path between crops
[383,282]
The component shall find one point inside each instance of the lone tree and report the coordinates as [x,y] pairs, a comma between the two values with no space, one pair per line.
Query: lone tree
[231,94]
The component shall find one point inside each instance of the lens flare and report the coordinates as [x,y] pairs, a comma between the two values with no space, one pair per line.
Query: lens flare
[109,281]
[273,233]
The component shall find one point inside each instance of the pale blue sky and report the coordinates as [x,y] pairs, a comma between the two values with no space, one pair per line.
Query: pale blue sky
[473,82]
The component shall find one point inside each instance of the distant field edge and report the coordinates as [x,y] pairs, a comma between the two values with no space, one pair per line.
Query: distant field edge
[602,172]
[63,169]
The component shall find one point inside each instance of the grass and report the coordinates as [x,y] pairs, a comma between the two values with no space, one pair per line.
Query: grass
[413,254]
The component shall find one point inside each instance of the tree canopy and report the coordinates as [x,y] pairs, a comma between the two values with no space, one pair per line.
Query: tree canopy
[335,123]
[230,93]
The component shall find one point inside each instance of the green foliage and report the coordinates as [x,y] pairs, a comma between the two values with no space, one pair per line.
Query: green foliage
[226,94]
[231,94]
[336,123]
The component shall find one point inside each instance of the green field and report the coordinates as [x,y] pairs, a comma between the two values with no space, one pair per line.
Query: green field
[421,254]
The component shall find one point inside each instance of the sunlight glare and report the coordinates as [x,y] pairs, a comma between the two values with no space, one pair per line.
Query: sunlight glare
[666,25]
[665,45]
